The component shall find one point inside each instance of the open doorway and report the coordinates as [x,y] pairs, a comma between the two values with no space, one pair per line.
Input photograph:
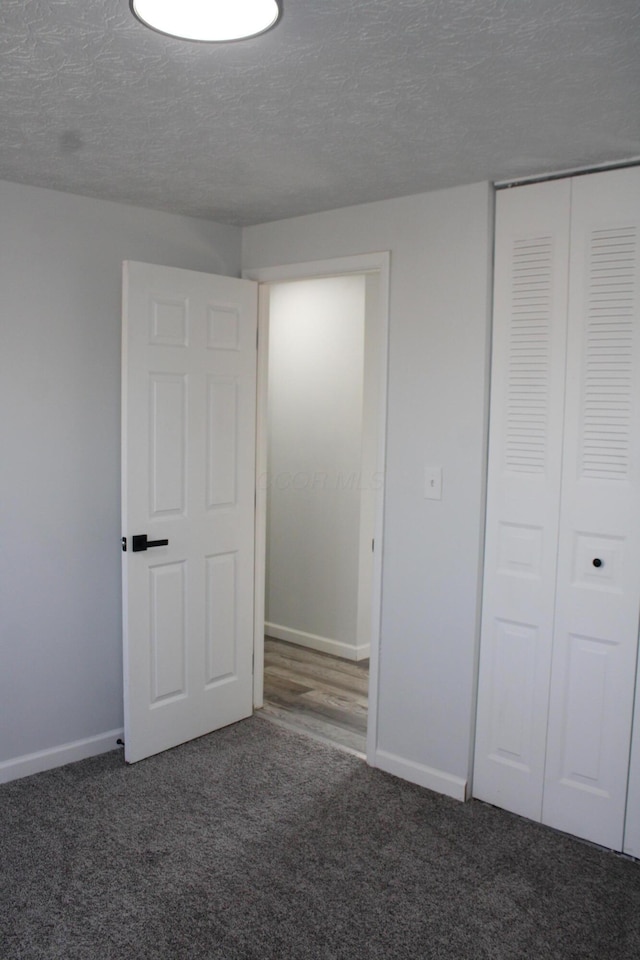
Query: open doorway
[318,570]
[320,449]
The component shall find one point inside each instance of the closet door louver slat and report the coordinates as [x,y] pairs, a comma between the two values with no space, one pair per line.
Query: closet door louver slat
[609,336]
[529,354]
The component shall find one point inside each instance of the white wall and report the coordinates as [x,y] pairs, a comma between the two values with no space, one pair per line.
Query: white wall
[316,369]
[440,247]
[60,607]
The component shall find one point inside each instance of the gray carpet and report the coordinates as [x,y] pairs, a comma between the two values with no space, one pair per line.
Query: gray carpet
[255,843]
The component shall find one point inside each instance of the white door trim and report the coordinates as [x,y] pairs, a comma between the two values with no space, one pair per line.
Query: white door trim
[362,263]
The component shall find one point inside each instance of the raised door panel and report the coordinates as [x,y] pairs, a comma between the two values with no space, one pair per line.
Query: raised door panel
[529,342]
[167,632]
[168,446]
[598,598]
[222,434]
[222,617]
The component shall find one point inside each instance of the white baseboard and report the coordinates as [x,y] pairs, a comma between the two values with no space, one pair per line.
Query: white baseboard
[57,756]
[314,642]
[436,780]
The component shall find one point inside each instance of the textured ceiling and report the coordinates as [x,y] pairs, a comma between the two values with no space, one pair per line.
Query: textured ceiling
[346,101]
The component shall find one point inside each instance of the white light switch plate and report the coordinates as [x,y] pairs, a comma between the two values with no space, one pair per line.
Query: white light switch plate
[433,483]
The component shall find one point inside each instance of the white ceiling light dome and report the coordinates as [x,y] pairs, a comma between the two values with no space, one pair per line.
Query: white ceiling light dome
[210,21]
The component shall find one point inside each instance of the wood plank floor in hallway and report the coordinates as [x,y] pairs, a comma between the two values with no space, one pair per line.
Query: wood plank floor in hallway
[316,693]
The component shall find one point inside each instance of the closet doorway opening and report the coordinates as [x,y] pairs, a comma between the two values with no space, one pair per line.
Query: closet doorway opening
[320,469]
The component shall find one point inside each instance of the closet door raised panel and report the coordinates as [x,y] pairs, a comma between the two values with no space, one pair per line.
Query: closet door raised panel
[598,595]
[526,423]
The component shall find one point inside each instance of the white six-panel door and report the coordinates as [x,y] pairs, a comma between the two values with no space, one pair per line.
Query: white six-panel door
[559,636]
[189,377]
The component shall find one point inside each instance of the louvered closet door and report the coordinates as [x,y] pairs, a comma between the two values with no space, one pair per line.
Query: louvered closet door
[527,398]
[598,594]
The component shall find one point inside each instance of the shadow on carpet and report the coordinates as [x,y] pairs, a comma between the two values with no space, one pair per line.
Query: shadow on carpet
[255,843]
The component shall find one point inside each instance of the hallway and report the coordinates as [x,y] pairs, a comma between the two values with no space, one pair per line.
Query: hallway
[317,694]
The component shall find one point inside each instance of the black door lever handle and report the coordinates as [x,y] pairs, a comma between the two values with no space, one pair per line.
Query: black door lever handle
[139,543]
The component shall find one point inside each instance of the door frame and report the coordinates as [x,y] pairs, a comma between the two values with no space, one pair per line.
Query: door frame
[378,263]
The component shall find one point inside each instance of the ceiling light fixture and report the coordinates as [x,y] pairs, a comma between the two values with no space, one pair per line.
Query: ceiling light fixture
[210,21]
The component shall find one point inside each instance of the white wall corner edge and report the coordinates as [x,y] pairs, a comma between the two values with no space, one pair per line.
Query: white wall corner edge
[313,642]
[437,780]
[58,756]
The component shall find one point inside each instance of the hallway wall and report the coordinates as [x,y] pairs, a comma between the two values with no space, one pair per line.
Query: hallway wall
[316,372]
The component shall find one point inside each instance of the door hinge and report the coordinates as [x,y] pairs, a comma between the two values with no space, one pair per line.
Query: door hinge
[373,546]
[124,544]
